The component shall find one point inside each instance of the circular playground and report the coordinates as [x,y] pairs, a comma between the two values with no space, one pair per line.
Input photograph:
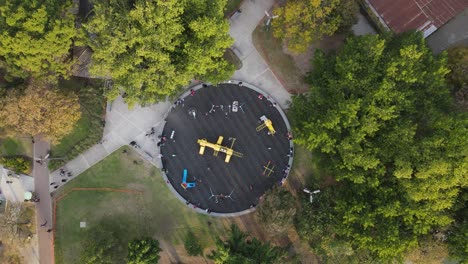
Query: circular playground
[224,146]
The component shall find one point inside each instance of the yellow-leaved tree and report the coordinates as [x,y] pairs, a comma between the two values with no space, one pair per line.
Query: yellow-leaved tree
[300,22]
[40,109]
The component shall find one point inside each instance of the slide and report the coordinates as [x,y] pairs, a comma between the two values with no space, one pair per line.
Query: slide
[184,179]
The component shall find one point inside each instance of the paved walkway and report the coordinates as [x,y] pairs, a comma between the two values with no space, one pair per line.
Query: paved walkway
[44,207]
[254,69]
[455,32]
[122,126]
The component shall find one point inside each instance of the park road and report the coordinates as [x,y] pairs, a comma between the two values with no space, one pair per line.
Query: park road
[44,206]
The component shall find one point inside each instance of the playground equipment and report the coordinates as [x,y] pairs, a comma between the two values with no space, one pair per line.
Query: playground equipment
[186,184]
[266,123]
[220,196]
[268,169]
[218,147]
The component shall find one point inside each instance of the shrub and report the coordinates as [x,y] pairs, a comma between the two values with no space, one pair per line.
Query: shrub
[191,244]
[18,164]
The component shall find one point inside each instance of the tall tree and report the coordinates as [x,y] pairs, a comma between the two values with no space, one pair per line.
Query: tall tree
[40,110]
[238,249]
[143,251]
[152,48]
[35,37]
[380,116]
[458,76]
[300,22]
[458,232]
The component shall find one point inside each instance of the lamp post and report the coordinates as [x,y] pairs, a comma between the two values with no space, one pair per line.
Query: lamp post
[311,193]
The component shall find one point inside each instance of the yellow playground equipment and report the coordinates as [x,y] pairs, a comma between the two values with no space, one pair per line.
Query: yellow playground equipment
[218,147]
[266,123]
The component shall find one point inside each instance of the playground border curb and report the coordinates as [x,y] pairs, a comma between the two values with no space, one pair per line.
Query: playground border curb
[283,116]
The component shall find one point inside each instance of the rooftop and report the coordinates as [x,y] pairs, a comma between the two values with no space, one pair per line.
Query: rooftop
[424,15]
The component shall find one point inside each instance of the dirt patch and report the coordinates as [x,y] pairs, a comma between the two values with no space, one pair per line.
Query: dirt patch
[303,61]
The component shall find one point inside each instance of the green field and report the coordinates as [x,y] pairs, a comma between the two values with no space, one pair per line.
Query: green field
[156,212]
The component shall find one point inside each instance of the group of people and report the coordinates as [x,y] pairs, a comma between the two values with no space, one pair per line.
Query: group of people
[63,173]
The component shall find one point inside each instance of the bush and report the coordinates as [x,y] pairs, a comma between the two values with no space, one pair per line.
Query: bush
[277,210]
[191,244]
[18,164]
[143,251]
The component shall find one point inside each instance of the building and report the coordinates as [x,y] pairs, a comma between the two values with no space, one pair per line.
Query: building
[426,16]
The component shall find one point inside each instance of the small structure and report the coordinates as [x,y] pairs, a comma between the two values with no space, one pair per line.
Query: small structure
[13,186]
[266,123]
[425,16]
[218,147]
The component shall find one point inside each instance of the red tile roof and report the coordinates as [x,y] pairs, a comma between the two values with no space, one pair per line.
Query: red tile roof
[424,15]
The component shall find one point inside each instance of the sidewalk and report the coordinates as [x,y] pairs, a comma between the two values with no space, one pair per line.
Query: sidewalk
[122,127]
[255,70]
[44,207]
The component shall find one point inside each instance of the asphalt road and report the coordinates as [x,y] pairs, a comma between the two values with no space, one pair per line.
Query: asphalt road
[44,206]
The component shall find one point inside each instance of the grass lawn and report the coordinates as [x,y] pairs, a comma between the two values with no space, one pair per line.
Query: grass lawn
[231,6]
[283,66]
[156,212]
[88,130]
[21,146]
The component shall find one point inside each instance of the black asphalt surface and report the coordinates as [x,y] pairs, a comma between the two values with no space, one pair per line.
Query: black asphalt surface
[241,176]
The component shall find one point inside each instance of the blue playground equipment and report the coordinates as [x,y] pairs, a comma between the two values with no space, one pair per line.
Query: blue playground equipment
[186,184]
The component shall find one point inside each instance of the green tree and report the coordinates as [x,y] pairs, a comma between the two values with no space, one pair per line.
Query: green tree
[156,47]
[380,118]
[237,249]
[458,65]
[143,251]
[35,38]
[458,76]
[458,232]
[301,22]
[192,245]
[277,210]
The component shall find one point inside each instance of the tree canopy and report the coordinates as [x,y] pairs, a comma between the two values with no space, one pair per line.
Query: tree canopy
[380,118]
[152,48]
[143,251]
[237,249]
[35,37]
[300,22]
[40,110]
[458,76]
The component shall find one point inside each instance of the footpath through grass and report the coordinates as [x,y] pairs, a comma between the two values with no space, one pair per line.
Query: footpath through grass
[156,212]
[88,130]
